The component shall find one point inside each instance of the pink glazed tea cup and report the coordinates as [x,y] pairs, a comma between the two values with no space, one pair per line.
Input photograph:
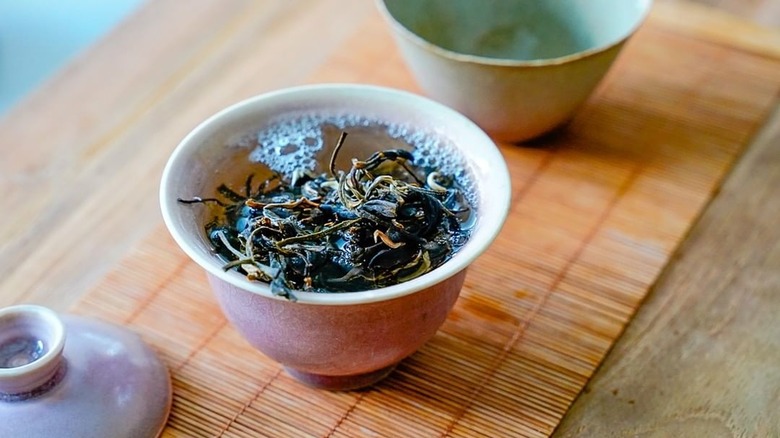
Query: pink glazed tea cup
[342,340]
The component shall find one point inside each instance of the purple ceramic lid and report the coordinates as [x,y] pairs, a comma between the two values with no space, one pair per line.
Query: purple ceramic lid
[77,377]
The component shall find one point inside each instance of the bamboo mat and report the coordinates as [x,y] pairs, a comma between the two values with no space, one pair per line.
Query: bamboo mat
[598,211]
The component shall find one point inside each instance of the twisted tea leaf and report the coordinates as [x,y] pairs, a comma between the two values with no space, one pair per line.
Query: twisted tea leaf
[382,222]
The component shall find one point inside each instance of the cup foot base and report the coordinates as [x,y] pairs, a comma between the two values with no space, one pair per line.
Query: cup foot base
[341,383]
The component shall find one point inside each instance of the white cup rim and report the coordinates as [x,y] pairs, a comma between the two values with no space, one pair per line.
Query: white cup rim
[407,33]
[485,151]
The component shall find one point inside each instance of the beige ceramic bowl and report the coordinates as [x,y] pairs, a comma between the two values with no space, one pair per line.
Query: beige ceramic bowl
[332,340]
[519,68]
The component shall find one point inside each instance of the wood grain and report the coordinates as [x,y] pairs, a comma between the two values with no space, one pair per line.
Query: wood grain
[719,25]
[700,358]
[86,151]
[82,158]
[598,210]
[762,12]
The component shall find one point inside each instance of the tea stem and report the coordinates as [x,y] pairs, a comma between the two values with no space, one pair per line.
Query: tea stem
[199,200]
[227,244]
[339,143]
[317,234]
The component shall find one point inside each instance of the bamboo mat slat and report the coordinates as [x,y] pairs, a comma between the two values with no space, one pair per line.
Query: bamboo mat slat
[598,210]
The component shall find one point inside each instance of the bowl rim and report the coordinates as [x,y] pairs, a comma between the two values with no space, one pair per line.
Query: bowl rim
[48,319]
[499,203]
[413,37]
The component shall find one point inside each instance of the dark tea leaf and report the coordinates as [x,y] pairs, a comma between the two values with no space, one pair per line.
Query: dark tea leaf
[382,222]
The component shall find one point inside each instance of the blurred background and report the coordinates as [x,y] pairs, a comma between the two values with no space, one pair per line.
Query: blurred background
[37,37]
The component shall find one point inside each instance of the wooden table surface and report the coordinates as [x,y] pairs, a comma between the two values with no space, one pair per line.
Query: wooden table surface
[701,358]
[83,156]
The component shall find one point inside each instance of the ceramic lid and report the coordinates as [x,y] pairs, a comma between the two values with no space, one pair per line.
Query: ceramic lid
[109,383]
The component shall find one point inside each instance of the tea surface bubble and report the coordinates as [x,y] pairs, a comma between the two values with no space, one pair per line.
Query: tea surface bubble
[301,141]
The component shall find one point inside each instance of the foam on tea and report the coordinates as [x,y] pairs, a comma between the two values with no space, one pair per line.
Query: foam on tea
[302,141]
[351,204]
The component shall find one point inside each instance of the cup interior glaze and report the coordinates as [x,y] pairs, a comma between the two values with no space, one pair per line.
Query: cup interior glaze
[214,153]
[518,68]
[518,31]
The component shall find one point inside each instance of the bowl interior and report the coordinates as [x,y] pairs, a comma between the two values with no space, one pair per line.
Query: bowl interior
[519,29]
[30,337]
[223,148]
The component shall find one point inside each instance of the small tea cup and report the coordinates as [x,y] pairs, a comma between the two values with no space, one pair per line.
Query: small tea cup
[332,340]
[518,68]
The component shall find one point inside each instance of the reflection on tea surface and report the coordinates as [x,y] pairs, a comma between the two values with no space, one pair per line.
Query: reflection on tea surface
[20,351]
[329,214]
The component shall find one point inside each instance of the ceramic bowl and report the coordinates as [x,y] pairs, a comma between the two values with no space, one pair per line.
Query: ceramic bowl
[68,376]
[332,340]
[519,68]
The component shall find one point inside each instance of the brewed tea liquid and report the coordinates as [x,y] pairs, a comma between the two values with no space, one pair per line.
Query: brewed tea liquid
[287,145]
[307,141]
[20,351]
